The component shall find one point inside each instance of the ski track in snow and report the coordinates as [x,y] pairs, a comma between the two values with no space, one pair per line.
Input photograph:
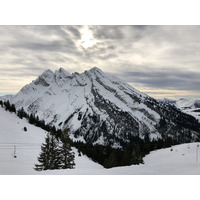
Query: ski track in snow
[180,160]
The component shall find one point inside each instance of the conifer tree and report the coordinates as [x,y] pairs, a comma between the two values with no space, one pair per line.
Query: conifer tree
[67,156]
[50,157]
[21,113]
[44,157]
[7,105]
[42,123]
[31,119]
[66,152]
[55,154]
[13,109]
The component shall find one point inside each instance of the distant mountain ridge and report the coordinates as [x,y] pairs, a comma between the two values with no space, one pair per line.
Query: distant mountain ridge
[189,106]
[99,108]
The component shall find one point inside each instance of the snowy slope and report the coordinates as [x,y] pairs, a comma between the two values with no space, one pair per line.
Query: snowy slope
[28,146]
[182,160]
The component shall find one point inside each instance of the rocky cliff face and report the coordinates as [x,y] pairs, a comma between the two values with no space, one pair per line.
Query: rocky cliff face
[99,108]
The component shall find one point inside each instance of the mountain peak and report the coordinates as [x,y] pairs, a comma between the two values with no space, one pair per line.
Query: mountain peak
[45,78]
[47,72]
[96,69]
[63,72]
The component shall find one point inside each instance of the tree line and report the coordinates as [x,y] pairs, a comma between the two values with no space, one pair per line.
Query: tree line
[8,106]
[132,153]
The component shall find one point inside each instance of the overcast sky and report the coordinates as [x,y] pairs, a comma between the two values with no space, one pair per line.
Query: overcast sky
[162,61]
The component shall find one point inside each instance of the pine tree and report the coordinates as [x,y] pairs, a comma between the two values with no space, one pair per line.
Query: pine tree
[12,108]
[55,159]
[31,119]
[44,157]
[1,103]
[67,156]
[21,113]
[7,105]
[50,157]
[42,123]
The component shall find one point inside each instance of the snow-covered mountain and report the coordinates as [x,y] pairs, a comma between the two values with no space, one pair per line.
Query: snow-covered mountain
[100,108]
[189,106]
[183,103]
[188,103]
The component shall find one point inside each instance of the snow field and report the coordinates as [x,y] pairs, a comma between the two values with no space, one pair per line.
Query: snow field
[180,159]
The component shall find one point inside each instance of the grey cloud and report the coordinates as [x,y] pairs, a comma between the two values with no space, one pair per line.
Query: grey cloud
[107,32]
[32,46]
[166,79]
[22,71]
[111,47]
[74,30]
[46,46]
[140,27]
[39,37]
[123,32]
[59,31]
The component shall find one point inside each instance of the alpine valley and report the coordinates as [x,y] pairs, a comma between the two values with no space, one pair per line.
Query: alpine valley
[100,109]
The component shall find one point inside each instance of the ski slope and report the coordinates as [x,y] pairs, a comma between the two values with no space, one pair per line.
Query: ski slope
[180,159]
